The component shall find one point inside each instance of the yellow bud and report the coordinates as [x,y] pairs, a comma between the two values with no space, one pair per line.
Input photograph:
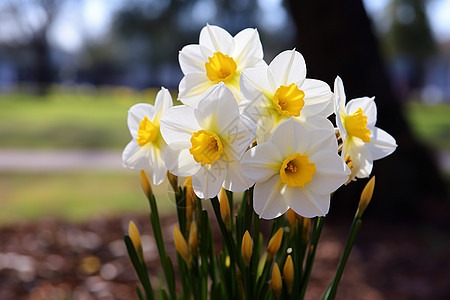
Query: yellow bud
[173,180]
[181,245]
[288,273]
[276,284]
[145,184]
[306,228]
[247,248]
[366,196]
[190,194]
[275,243]
[225,208]
[291,217]
[193,238]
[227,261]
[135,238]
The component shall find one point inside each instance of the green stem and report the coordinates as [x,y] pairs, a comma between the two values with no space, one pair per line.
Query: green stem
[311,255]
[332,289]
[166,264]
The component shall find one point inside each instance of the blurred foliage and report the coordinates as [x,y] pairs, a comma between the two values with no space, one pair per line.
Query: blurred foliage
[409,33]
[74,196]
[75,118]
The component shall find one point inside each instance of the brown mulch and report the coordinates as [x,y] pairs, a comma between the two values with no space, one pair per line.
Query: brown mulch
[51,259]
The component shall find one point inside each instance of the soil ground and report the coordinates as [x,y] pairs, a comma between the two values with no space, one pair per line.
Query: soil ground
[50,259]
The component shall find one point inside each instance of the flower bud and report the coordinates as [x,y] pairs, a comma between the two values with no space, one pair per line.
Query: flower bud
[181,245]
[191,197]
[227,261]
[225,208]
[276,284]
[366,196]
[145,184]
[288,273]
[173,180]
[306,228]
[247,248]
[275,243]
[193,238]
[135,238]
[291,217]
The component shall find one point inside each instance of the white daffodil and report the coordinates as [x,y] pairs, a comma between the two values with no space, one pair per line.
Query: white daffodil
[281,90]
[206,141]
[297,168]
[218,57]
[362,141]
[147,146]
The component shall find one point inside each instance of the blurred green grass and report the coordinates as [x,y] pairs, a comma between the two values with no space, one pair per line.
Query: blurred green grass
[74,197]
[87,118]
[77,118]
[430,123]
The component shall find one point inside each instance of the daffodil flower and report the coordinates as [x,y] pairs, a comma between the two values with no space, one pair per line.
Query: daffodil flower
[146,149]
[281,90]
[362,141]
[218,57]
[297,168]
[207,142]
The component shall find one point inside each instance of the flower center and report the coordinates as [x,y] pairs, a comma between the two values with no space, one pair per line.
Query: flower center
[147,133]
[356,125]
[288,100]
[206,147]
[220,67]
[296,170]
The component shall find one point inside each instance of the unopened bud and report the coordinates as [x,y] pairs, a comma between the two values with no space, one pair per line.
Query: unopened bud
[306,228]
[225,208]
[291,217]
[181,245]
[366,196]
[275,243]
[191,197]
[135,238]
[227,261]
[145,184]
[276,284]
[288,273]
[247,248]
[173,180]
[193,238]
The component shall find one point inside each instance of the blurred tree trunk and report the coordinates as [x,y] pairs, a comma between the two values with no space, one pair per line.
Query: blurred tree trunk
[336,38]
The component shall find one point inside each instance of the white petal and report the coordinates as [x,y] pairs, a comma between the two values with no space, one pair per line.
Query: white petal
[192,59]
[262,162]
[268,201]
[339,94]
[322,140]
[178,124]
[307,203]
[163,102]
[209,179]
[315,122]
[136,114]
[364,168]
[331,172]
[318,98]
[291,137]
[192,87]
[136,157]
[255,81]
[159,167]
[217,109]
[288,67]
[236,181]
[238,137]
[368,107]
[248,51]
[216,39]
[381,143]
[179,160]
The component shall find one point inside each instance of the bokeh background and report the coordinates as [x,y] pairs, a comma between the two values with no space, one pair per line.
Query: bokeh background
[70,69]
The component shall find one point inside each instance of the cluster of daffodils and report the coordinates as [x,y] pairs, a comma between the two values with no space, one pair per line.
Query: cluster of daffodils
[258,128]
[245,122]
